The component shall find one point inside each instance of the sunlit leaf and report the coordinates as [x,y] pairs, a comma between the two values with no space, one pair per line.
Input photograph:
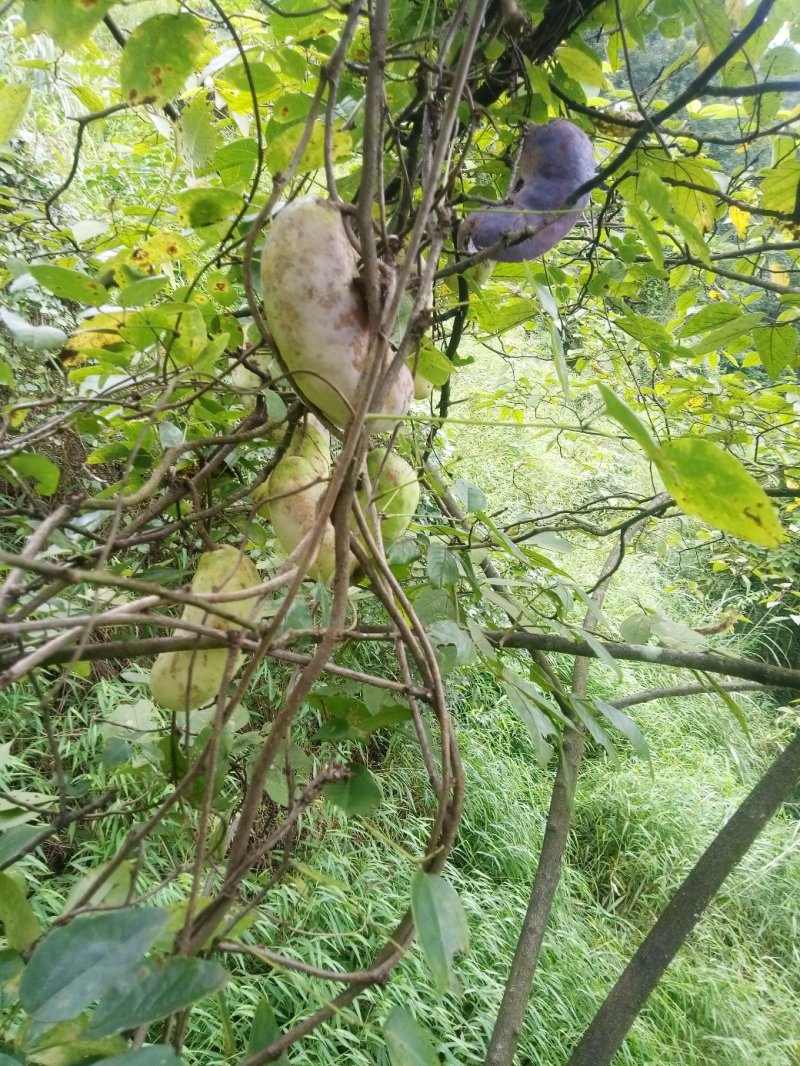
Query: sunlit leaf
[67,21]
[14,101]
[158,57]
[711,484]
[70,284]
[629,420]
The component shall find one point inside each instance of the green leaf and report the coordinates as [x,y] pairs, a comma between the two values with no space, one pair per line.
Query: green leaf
[154,990]
[74,964]
[155,1055]
[14,101]
[67,21]
[581,64]
[7,1060]
[206,206]
[6,374]
[443,569]
[432,364]
[140,292]
[11,968]
[158,57]
[360,793]
[70,284]
[778,347]
[559,357]
[264,1031]
[14,841]
[648,233]
[711,484]
[470,496]
[39,468]
[710,317]
[447,632]
[408,1043]
[780,185]
[441,925]
[21,924]
[37,338]
[199,138]
[630,422]
[264,78]
[626,725]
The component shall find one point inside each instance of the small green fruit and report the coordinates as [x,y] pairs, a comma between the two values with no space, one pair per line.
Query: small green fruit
[184,680]
[395,490]
[291,501]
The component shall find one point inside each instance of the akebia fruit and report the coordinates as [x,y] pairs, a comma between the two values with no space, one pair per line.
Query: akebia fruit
[294,491]
[184,680]
[315,308]
[556,160]
[395,492]
[312,442]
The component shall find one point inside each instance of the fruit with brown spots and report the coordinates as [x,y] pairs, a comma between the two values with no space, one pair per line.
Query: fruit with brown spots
[315,308]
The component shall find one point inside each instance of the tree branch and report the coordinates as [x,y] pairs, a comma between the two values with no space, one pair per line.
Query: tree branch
[607,1030]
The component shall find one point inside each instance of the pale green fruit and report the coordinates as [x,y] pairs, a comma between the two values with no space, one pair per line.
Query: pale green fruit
[183,680]
[395,490]
[422,387]
[316,312]
[291,501]
[312,442]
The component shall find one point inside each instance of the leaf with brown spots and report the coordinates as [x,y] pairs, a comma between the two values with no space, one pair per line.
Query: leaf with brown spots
[158,57]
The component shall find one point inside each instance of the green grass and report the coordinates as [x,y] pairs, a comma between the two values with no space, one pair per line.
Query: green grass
[730,998]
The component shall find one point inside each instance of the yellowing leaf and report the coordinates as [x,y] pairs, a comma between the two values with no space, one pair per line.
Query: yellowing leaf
[779,274]
[67,21]
[14,100]
[158,58]
[740,220]
[711,484]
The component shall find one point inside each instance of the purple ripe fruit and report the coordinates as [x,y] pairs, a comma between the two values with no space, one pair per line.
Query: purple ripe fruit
[556,159]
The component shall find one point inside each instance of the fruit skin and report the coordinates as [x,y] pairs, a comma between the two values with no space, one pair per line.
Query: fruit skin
[184,680]
[556,160]
[395,490]
[312,442]
[315,309]
[422,387]
[291,503]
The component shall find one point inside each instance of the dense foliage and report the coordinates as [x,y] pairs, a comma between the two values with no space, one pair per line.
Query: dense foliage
[216,467]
